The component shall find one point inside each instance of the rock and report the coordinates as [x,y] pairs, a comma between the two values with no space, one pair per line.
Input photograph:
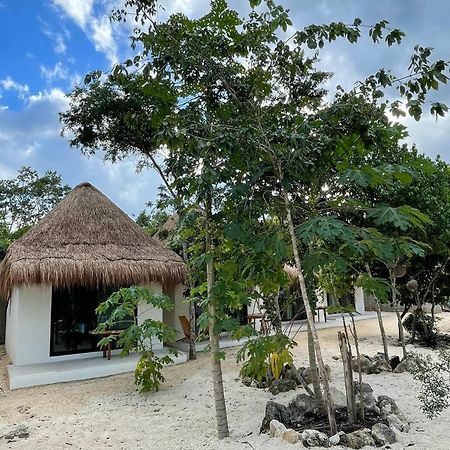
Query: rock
[314,438]
[301,406]
[357,439]
[388,406]
[366,364]
[382,434]
[379,364]
[394,362]
[276,428]
[369,400]
[291,436]
[406,365]
[247,381]
[335,439]
[306,374]
[275,411]
[19,431]
[396,423]
[282,386]
[290,372]
[338,397]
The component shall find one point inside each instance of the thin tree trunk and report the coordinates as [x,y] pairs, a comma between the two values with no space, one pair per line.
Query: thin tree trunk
[277,324]
[309,315]
[314,373]
[382,330]
[358,357]
[433,304]
[219,396]
[348,376]
[397,312]
[380,322]
[192,333]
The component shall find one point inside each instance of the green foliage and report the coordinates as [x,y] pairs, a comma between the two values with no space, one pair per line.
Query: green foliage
[378,287]
[338,309]
[433,375]
[28,197]
[256,355]
[122,305]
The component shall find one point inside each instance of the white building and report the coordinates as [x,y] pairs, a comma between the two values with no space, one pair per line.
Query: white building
[55,276]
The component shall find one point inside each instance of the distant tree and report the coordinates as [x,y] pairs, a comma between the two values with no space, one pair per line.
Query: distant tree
[26,199]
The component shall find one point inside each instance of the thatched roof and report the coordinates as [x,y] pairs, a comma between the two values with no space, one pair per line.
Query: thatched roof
[87,240]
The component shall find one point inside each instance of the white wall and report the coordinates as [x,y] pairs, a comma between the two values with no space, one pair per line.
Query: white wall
[146,311]
[28,325]
[181,308]
[359,300]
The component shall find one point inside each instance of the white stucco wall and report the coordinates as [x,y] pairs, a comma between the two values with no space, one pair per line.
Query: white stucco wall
[359,300]
[146,311]
[181,308]
[28,325]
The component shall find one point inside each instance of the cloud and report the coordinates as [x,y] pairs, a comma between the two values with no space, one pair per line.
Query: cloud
[57,72]
[78,10]
[102,36]
[8,84]
[58,39]
[31,136]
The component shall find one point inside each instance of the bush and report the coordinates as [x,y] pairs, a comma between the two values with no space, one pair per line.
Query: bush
[265,355]
[138,338]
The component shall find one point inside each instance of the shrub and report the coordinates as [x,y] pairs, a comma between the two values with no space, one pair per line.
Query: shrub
[264,355]
[123,304]
[423,326]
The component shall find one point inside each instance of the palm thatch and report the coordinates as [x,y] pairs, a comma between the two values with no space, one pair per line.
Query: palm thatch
[292,274]
[86,240]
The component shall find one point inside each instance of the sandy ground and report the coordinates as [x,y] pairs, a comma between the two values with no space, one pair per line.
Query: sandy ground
[110,413]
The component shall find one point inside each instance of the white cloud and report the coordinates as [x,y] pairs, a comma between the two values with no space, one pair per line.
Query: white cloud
[57,72]
[58,39]
[78,10]
[8,84]
[102,36]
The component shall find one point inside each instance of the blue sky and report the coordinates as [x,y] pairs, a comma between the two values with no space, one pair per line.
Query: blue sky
[59,41]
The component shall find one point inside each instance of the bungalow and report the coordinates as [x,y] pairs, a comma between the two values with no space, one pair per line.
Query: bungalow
[55,276]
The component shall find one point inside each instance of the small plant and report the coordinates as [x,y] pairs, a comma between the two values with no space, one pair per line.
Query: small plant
[264,355]
[123,305]
[434,376]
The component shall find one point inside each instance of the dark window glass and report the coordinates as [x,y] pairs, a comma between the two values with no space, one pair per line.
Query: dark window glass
[74,319]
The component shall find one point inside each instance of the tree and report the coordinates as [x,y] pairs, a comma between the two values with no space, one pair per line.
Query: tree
[243,121]
[26,199]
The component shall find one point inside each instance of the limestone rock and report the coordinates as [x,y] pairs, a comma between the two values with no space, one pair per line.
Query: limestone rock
[335,439]
[306,374]
[338,397]
[19,431]
[370,402]
[276,428]
[382,434]
[247,381]
[291,436]
[275,411]
[301,406]
[314,438]
[357,439]
[282,386]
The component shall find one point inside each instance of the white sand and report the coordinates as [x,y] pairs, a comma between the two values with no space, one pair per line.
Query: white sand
[109,413]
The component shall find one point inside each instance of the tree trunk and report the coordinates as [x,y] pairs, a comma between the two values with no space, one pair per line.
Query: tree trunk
[401,332]
[219,396]
[433,304]
[193,328]
[309,315]
[380,322]
[358,357]
[382,330]
[314,373]
[346,354]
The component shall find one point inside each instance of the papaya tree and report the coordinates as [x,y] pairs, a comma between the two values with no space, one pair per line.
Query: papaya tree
[239,112]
